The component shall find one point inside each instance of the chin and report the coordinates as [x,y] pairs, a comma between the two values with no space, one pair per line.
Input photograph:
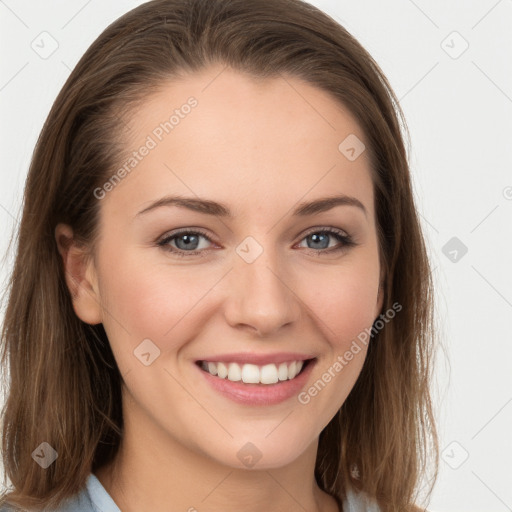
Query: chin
[260,452]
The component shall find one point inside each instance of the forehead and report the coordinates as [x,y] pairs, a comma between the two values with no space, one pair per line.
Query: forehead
[243,141]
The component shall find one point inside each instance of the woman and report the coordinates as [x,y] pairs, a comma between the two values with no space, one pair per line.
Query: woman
[221,297]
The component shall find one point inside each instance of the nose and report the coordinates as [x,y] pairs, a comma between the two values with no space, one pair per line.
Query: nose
[260,296]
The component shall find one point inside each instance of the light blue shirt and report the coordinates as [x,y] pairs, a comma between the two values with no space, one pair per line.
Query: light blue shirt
[94,498]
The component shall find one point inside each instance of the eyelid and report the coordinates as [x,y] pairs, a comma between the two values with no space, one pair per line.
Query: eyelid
[316,229]
[202,232]
[162,241]
[345,239]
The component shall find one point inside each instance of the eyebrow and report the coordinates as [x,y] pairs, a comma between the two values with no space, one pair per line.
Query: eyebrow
[209,207]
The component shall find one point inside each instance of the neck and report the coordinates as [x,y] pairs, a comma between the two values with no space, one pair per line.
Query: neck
[164,473]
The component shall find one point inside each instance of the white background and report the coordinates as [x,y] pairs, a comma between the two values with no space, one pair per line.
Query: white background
[459,111]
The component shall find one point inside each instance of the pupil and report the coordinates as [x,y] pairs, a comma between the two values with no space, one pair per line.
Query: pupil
[188,240]
[316,238]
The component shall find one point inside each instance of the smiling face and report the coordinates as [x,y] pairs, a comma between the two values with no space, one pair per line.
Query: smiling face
[256,277]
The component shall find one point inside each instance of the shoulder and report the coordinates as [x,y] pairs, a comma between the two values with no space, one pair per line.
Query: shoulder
[78,503]
[92,498]
[359,502]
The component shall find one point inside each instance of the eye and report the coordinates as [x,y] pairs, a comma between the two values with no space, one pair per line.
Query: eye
[320,240]
[187,242]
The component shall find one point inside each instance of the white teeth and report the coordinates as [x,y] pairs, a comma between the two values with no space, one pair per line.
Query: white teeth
[292,370]
[250,373]
[253,374]
[283,371]
[268,374]
[212,368]
[222,370]
[234,372]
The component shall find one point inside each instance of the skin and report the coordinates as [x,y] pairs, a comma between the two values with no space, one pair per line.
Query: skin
[261,147]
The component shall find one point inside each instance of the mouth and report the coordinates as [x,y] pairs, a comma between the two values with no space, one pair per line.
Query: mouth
[254,384]
[248,373]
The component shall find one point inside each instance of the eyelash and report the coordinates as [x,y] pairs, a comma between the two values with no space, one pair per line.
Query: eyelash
[346,241]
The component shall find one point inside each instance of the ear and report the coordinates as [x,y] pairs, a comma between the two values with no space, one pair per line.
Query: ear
[80,275]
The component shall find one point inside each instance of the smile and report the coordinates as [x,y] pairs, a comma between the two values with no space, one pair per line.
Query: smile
[252,373]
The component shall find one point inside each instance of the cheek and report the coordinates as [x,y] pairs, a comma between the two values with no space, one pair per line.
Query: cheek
[343,299]
[153,301]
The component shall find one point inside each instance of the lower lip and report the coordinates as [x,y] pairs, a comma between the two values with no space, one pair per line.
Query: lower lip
[259,394]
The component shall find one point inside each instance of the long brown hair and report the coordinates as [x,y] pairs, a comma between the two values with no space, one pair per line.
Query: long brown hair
[64,386]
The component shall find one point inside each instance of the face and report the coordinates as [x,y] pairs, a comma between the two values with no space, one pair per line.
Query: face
[259,280]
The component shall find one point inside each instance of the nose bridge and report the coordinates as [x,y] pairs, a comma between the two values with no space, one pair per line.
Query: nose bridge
[262,298]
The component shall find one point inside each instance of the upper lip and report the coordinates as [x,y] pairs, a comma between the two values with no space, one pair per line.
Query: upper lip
[257,359]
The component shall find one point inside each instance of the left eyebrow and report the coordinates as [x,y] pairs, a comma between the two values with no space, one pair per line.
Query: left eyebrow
[209,207]
[326,203]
